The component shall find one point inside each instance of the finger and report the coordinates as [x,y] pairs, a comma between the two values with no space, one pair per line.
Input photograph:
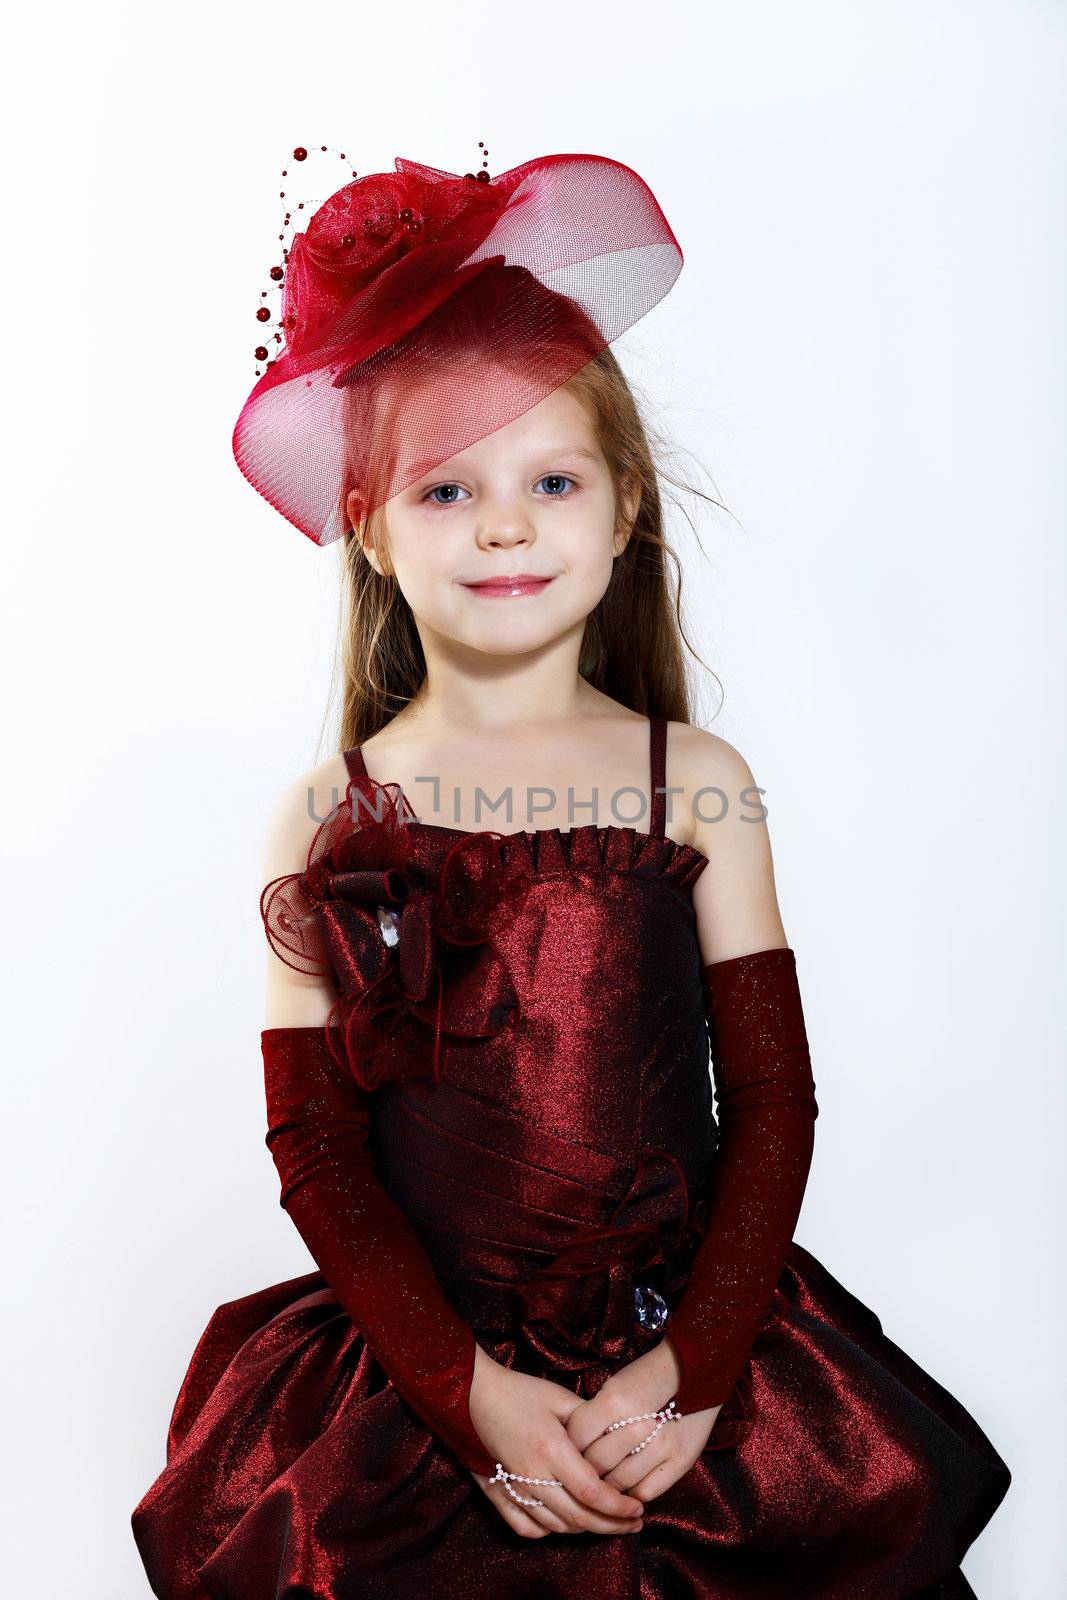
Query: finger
[520,1519]
[654,1482]
[585,1421]
[632,1470]
[578,1518]
[610,1450]
[533,1522]
[562,1512]
[550,1520]
[566,1516]
[582,1481]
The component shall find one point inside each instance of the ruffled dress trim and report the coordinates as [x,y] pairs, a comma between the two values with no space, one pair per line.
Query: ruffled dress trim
[401,916]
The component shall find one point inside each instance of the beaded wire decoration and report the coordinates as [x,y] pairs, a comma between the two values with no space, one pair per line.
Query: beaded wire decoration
[277,273]
[508,1478]
[666,1413]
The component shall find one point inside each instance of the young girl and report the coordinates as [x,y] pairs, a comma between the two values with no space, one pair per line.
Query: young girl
[560,1341]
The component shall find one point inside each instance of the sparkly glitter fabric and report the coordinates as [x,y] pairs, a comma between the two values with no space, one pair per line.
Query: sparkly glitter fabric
[766,1108]
[517,1170]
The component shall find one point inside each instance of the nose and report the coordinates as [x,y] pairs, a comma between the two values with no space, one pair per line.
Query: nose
[504,524]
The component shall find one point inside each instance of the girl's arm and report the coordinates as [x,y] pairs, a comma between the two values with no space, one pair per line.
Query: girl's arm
[765,1093]
[317,1133]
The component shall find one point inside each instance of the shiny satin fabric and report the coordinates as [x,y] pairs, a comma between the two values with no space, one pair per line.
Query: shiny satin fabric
[840,1468]
[555,1165]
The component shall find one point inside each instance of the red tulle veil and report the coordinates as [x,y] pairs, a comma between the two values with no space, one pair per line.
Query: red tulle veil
[423,310]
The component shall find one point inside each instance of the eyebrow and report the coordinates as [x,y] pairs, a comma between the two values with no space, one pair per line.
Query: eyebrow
[578,450]
[571,450]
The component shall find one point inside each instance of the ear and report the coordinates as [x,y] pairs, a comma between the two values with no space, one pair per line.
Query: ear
[358,523]
[629,502]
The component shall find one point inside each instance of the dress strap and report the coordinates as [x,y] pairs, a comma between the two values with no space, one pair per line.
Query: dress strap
[657,740]
[357,767]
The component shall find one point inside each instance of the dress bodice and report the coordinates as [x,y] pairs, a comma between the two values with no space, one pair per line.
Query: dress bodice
[528,1008]
[603,967]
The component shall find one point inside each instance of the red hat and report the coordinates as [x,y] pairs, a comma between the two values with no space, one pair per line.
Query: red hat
[422,310]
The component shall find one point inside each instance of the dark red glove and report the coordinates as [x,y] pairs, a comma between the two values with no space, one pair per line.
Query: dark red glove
[363,1244]
[766,1111]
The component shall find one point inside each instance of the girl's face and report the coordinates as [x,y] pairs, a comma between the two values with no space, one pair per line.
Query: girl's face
[510,543]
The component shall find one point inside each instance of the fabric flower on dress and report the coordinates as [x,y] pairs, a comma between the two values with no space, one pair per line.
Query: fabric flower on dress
[411,952]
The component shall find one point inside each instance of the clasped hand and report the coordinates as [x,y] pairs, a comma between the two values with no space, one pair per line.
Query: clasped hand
[542,1430]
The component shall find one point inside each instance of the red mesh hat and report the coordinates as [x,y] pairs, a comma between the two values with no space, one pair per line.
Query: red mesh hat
[422,310]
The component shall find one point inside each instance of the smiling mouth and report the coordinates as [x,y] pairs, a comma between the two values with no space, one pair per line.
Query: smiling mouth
[499,588]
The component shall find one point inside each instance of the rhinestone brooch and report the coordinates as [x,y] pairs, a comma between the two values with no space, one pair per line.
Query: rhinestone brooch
[650,1306]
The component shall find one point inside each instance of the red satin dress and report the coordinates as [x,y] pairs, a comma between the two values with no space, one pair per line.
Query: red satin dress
[553,1164]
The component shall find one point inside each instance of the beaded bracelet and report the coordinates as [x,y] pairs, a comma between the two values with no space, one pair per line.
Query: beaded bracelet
[500,1476]
[666,1414]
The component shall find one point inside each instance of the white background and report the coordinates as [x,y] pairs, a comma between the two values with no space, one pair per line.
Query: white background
[865,348]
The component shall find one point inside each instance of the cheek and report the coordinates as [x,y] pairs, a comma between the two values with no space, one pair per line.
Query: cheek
[425,567]
[587,553]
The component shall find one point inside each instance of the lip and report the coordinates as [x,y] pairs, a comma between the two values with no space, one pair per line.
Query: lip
[518,584]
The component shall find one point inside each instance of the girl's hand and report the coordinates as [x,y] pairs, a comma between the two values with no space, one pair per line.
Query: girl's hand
[522,1422]
[645,1385]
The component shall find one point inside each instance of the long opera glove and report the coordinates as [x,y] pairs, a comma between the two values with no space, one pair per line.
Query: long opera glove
[766,1111]
[363,1243]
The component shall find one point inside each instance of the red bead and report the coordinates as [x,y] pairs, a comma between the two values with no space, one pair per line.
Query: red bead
[300,154]
[277,274]
[261,352]
[348,240]
[483,177]
[263,314]
[405,213]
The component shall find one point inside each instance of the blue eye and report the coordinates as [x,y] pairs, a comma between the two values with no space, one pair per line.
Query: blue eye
[559,477]
[438,486]
[549,477]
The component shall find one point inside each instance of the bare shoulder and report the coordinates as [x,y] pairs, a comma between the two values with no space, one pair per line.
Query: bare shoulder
[715,791]
[299,811]
[295,998]
[721,805]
